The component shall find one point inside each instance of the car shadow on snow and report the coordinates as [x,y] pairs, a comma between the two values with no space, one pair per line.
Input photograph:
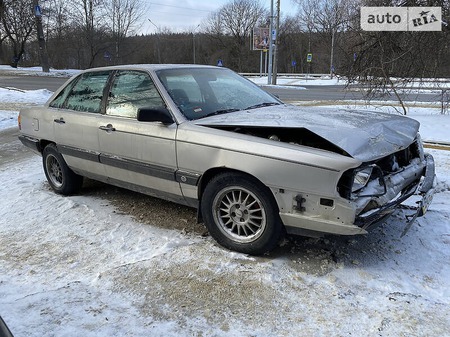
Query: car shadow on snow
[315,256]
[320,256]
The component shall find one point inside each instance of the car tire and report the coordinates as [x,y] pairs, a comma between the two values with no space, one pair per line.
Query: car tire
[241,214]
[60,177]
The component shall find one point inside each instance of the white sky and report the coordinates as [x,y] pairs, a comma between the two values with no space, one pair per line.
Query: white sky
[187,15]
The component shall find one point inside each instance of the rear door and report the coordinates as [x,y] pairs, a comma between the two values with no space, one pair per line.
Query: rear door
[138,155]
[76,120]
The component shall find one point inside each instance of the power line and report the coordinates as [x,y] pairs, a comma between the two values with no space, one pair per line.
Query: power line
[180,7]
[176,14]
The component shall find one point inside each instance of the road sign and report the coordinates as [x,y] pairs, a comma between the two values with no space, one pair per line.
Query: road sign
[309,58]
[37,11]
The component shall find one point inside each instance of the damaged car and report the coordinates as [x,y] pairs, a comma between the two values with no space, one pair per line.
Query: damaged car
[254,167]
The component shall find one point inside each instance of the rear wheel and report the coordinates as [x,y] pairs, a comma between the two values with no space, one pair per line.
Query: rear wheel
[241,214]
[60,177]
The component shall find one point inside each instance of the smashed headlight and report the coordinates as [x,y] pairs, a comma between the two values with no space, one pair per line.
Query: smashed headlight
[361,178]
[354,182]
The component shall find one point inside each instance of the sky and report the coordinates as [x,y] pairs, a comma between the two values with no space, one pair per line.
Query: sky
[186,15]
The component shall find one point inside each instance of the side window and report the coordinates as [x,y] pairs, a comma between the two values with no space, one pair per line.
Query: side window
[87,93]
[130,91]
[59,100]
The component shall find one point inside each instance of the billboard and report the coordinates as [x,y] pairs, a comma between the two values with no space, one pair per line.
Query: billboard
[261,38]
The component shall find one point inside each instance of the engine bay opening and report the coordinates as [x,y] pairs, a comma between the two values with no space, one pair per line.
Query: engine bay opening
[295,136]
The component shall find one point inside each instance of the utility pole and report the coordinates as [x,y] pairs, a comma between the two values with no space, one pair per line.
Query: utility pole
[40,35]
[275,58]
[332,53]
[269,71]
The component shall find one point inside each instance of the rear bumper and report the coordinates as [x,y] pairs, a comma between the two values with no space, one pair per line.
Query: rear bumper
[31,143]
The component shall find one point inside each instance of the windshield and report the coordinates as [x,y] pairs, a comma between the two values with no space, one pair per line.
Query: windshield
[201,92]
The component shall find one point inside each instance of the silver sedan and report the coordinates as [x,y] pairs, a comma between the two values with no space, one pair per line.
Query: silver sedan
[206,137]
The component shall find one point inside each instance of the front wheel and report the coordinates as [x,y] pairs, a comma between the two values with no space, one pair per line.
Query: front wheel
[241,214]
[60,177]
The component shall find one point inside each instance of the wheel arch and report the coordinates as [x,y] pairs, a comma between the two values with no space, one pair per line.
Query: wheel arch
[215,171]
[43,144]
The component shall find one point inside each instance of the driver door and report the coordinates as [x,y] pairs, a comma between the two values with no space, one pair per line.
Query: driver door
[138,155]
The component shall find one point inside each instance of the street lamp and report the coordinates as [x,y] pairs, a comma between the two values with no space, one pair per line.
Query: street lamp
[193,41]
[157,40]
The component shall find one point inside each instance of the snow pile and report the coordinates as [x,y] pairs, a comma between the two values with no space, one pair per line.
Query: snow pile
[13,95]
[37,71]
[14,98]
[300,80]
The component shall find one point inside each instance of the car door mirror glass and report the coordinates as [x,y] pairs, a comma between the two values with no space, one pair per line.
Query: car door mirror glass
[155,114]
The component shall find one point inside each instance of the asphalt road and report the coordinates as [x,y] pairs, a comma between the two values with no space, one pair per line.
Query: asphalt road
[313,92]
[32,82]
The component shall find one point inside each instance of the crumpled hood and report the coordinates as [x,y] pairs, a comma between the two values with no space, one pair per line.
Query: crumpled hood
[365,135]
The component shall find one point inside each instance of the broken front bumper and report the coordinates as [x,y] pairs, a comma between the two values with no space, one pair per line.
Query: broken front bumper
[423,191]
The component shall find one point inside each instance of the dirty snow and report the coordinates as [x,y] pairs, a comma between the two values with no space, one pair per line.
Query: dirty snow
[76,266]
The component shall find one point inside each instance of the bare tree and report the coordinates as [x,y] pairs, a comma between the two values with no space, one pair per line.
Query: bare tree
[18,24]
[293,42]
[123,15]
[89,19]
[326,17]
[58,26]
[58,19]
[2,35]
[236,19]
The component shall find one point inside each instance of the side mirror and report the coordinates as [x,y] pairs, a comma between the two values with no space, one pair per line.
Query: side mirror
[157,114]
[4,330]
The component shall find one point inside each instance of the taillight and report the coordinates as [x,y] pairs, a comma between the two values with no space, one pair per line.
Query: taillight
[19,122]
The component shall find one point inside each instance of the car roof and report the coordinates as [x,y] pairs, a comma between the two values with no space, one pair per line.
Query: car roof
[150,67]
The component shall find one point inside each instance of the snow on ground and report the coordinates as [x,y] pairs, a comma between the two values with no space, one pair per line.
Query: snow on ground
[424,86]
[12,95]
[299,80]
[37,71]
[76,266]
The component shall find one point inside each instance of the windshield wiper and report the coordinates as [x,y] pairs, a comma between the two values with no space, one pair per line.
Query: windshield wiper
[220,112]
[261,105]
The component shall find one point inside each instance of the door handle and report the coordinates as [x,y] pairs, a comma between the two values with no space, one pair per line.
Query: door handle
[107,128]
[59,120]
